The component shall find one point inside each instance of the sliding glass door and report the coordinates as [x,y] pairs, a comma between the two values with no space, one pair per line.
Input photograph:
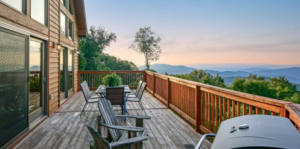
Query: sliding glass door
[13,85]
[66,74]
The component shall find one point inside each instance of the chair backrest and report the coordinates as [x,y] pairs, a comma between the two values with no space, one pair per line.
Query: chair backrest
[109,117]
[115,95]
[138,87]
[85,90]
[141,92]
[99,141]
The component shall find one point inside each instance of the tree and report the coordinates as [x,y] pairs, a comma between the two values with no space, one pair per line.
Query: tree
[108,62]
[278,88]
[146,44]
[93,45]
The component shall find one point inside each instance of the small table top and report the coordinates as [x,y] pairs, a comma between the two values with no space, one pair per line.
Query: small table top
[102,89]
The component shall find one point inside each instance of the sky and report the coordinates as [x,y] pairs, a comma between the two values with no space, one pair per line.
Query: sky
[204,31]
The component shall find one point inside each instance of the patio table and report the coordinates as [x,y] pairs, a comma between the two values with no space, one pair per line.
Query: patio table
[102,90]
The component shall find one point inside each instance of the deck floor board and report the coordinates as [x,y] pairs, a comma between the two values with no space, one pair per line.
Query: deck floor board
[65,129]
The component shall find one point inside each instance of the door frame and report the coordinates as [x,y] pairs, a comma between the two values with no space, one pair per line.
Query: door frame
[38,114]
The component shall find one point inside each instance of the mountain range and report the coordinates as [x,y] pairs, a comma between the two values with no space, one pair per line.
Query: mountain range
[292,73]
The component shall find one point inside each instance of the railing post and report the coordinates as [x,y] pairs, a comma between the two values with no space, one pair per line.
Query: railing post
[145,77]
[78,81]
[154,83]
[198,106]
[168,92]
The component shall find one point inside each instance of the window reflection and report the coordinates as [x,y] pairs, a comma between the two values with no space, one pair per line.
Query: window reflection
[70,73]
[62,24]
[17,4]
[13,86]
[71,31]
[35,100]
[62,77]
[71,6]
[38,10]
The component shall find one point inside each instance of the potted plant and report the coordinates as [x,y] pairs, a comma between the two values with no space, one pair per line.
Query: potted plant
[112,80]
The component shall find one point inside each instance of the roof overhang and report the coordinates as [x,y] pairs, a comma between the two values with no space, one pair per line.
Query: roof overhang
[80,17]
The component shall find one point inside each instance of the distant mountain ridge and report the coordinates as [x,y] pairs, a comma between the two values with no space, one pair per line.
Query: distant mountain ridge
[292,74]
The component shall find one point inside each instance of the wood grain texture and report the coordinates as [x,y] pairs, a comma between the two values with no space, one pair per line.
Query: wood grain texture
[65,129]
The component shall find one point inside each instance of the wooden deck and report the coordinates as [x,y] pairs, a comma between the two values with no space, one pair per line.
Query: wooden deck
[65,129]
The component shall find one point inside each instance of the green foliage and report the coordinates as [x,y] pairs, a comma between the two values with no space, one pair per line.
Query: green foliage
[112,80]
[295,98]
[93,45]
[146,44]
[203,77]
[278,88]
[81,60]
[108,62]
[34,83]
[91,55]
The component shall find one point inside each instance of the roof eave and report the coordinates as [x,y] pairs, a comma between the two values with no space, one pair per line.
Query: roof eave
[80,18]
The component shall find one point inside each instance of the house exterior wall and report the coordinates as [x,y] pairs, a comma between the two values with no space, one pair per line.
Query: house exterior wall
[49,33]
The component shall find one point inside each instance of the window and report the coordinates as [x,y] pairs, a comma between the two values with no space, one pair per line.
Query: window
[63,24]
[63,2]
[17,4]
[38,11]
[71,30]
[71,7]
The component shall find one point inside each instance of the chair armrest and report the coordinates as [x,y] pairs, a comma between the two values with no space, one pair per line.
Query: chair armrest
[126,128]
[134,116]
[95,97]
[128,141]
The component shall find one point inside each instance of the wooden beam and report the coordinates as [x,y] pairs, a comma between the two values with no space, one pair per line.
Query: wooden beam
[154,84]
[198,106]
[168,93]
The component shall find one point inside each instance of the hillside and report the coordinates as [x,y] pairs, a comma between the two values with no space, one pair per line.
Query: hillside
[292,74]
[170,69]
[298,87]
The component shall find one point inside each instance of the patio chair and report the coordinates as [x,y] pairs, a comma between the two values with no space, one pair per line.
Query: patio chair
[116,132]
[116,96]
[93,96]
[134,94]
[100,142]
[87,95]
[139,97]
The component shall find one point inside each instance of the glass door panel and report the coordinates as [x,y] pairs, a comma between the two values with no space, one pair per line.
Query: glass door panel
[13,85]
[62,75]
[70,73]
[35,80]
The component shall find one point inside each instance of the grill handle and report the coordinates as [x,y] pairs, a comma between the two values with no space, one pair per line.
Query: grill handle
[203,138]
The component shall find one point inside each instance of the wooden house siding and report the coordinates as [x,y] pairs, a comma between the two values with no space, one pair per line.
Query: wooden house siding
[49,33]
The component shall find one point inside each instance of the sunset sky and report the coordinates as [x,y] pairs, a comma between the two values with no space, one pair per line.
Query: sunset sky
[204,31]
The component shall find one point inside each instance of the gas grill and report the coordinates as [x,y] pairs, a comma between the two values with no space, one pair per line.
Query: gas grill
[255,131]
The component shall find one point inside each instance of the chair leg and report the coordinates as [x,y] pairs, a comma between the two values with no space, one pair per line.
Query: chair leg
[83,109]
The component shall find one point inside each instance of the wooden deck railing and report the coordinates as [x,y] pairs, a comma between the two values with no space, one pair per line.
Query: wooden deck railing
[204,106]
[94,78]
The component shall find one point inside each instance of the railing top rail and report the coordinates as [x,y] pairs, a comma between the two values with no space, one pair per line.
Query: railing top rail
[223,90]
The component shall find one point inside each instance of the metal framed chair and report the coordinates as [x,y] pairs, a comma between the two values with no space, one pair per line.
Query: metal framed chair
[139,97]
[93,96]
[116,96]
[134,94]
[87,95]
